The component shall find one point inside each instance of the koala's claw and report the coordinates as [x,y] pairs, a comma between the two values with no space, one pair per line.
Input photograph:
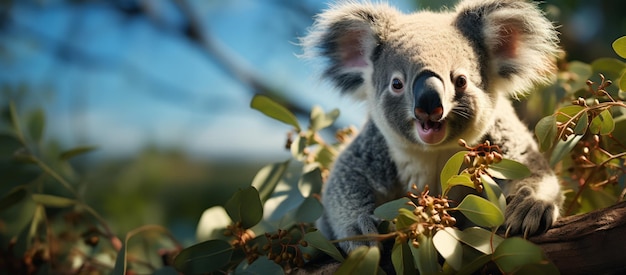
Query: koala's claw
[527,215]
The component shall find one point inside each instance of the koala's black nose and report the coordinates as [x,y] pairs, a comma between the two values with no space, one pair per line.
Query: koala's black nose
[426,90]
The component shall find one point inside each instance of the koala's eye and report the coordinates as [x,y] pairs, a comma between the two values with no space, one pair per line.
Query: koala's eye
[397,85]
[460,83]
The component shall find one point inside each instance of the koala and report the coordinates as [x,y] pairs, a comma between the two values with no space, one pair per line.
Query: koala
[427,80]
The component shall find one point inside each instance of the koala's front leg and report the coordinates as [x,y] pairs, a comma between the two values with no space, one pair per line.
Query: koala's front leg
[534,202]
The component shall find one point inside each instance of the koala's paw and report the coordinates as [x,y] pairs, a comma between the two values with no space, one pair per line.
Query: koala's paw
[365,225]
[528,215]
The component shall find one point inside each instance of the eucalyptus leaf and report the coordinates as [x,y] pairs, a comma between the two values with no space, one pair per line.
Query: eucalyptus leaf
[261,265]
[363,260]
[15,196]
[514,253]
[611,68]
[36,125]
[274,110]
[446,241]
[8,145]
[76,152]
[481,211]
[212,223]
[52,200]
[582,124]
[317,240]
[562,148]
[463,179]
[245,206]
[120,262]
[311,182]
[321,120]
[566,113]
[402,258]
[493,192]
[602,124]
[406,218]
[204,257]
[297,147]
[480,239]
[309,211]
[425,256]
[619,45]
[268,177]
[452,168]
[546,132]
[389,210]
[508,169]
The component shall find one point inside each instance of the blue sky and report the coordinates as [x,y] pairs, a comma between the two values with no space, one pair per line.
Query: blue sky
[135,84]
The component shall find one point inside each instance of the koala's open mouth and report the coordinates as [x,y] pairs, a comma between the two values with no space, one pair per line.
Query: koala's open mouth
[431,132]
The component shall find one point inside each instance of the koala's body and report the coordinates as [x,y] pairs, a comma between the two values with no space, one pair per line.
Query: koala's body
[428,80]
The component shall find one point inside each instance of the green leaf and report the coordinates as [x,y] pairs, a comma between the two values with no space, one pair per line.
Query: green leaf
[389,210]
[452,168]
[425,256]
[562,148]
[15,121]
[611,68]
[475,265]
[317,240]
[581,124]
[245,206]
[120,262]
[15,196]
[546,131]
[76,151]
[481,239]
[274,110]
[204,257]
[446,241]
[508,169]
[297,147]
[566,113]
[406,218]
[619,45]
[262,265]
[481,211]
[309,211]
[538,268]
[513,253]
[362,260]
[402,259]
[165,270]
[602,124]
[462,179]
[212,223]
[311,182]
[36,125]
[321,120]
[268,177]
[53,201]
[493,191]
[622,82]
[8,145]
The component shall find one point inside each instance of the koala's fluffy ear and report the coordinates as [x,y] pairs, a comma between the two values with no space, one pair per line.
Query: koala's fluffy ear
[514,37]
[348,35]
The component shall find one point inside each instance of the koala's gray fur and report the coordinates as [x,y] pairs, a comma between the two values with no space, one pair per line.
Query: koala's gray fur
[430,79]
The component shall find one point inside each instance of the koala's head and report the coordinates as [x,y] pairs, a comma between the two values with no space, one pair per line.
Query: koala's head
[432,78]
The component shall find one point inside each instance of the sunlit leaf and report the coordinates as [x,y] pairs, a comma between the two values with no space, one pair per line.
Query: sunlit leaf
[474,266]
[36,125]
[274,110]
[463,179]
[402,259]
[321,120]
[262,265]
[311,182]
[508,169]
[14,197]
[212,223]
[405,219]
[566,113]
[245,206]
[76,152]
[481,211]
[546,131]
[317,240]
[268,177]
[297,147]
[481,239]
[619,45]
[363,260]
[602,124]
[562,148]
[446,241]
[425,256]
[53,201]
[389,210]
[513,253]
[493,191]
[452,167]
[204,257]
[309,211]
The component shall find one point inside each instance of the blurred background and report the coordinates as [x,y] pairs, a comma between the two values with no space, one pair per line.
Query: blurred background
[162,89]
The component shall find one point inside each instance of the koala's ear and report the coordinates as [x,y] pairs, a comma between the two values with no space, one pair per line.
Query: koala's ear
[348,36]
[514,37]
